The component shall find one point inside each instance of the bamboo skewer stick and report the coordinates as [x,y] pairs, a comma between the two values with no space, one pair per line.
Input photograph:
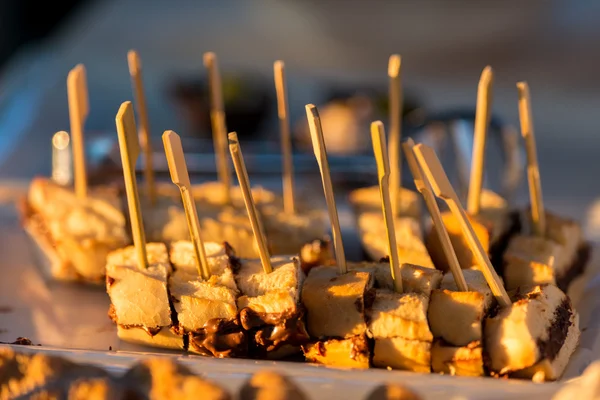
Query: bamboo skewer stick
[286,139]
[423,186]
[383,173]
[395,116]
[130,150]
[79,109]
[135,70]
[181,178]
[482,120]
[219,127]
[318,142]
[432,168]
[538,215]
[242,175]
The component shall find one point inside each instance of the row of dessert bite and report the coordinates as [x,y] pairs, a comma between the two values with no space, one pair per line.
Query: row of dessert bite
[403,313]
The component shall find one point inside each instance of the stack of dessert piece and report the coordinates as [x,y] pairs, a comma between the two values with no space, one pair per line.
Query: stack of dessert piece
[551,249]
[406,207]
[489,214]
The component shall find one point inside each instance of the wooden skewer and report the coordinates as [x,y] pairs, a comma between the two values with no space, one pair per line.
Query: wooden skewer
[135,70]
[286,139]
[395,116]
[79,109]
[180,177]
[431,166]
[255,222]
[482,120]
[318,142]
[219,128]
[383,173]
[538,215]
[130,150]
[424,188]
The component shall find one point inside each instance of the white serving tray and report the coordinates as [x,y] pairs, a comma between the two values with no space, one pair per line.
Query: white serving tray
[72,321]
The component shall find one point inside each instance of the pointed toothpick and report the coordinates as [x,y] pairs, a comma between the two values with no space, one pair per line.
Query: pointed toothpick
[79,109]
[180,177]
[383,173]
[433,170]
[286,139]
[217,118]
[255,222]
[135,70]
[422,185]
[130,150]
[318,142]
[482,120]
[395,111]
[538,215]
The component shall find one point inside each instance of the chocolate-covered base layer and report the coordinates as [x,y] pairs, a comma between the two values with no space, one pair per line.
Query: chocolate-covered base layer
[577,268]
[498,248]
[219,338]
[269,332]
[354,352]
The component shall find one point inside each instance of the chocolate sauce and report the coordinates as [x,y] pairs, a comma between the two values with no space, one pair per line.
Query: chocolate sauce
[557,334]
[271,331]
[220,338]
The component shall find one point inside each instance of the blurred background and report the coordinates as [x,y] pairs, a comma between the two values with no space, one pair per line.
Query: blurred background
[336,57]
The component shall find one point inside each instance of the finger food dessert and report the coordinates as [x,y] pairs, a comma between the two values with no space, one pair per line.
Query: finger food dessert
[494,225]
[456,319]
[534,337]
[74,235]
[270,307]
[411,248]
[557,257]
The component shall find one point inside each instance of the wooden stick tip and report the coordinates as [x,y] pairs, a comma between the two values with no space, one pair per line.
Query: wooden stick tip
[133,59]
[394,65]
[209,58]
[278,65]
[376,125]
[521,86]
[312,109]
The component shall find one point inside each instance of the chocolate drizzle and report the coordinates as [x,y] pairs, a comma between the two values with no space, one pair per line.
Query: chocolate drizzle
[271,331]
[219,338]
[557,334]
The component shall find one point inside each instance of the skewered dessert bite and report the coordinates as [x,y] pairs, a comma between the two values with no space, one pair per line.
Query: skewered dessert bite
[345,310]
[75,228]
[491,218]
[458,347]
[535,337]
[406,207]
[270,306]
[551,249]
[534,333]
